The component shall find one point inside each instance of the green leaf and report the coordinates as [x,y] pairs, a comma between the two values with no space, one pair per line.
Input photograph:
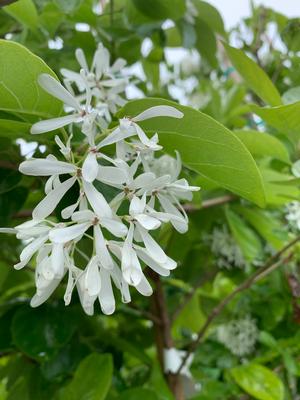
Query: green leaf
[254,76]
[261,144]
[92,379]
[259,381]
[266,225]
[160,10]
[138,394]
[278,187]
[206,42]
[14,129]
[245,237]
[25,12]
[19,90]
[286,118]
[205,146]
[211,16]
[41,332]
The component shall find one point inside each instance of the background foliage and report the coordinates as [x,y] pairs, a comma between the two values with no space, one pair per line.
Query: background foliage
[239,142]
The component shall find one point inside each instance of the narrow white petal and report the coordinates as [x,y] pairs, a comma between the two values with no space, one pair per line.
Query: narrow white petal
[153,248]
[64,235]
[81,59]
[179,222]
[116,136]
[143,180]
[115,227]
[111,175]
[69,211]
[90,167]
[29,251]
[45,167]
[131,268]
[92,278]
[40,298]
[137,206]
[86,300]
[69,288]
[53,87]
[158,111]
[49,203]
[106,295]
[58,260]
[97,200]
[101,249]
[83,215]
[8,230]
[147,221]
[144,287]
[49,125]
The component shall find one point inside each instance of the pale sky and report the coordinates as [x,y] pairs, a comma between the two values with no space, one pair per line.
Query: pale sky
[233,10]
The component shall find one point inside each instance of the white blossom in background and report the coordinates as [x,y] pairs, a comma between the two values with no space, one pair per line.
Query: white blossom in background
[226,250]
[191,12]
[239,336]
[292,215]
[121,238]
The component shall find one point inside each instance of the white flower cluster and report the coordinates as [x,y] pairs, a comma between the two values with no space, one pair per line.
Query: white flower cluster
[148,194]
[292,214]
[239,336]
[228,253]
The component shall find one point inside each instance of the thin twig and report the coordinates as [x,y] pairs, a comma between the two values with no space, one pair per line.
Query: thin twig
[144,313]
[270,266]
[217,201]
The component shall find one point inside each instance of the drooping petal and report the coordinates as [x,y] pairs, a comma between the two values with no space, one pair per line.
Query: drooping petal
[152,247]
[64,235]
[180,223]
[92,278]
[90,167]
[102,252]
[49,203]
[51,124]
[158,111]
[131,268]
[58,260]
[43,296]
[86,300]
[29,251]
[97,200]
[8,230]
[143,180]
[69,211]
[53,87]
[45,167]
[116,136]
[106,295]
[144,287]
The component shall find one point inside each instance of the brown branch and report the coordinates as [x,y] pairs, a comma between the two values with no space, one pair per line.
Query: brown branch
[163,336]
[8,165]
[217,201]
[270,266]
[23,214]
[145,314]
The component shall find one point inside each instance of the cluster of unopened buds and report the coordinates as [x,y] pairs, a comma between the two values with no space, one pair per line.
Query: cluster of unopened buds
[147,194]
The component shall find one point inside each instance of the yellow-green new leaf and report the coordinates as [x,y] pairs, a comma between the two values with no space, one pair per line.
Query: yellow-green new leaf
[254,76]
[286,118]
[206,146]
[259,381]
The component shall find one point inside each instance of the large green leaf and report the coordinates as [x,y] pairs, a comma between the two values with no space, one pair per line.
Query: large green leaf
[19,90]
[160,10]
[25,12]
[261,144]
[259,381]
[92,379]
[286,119]
[41,332]
[254,76]
[206,146]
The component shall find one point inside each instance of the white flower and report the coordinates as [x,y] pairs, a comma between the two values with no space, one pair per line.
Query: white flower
[129,127]
[80,114]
